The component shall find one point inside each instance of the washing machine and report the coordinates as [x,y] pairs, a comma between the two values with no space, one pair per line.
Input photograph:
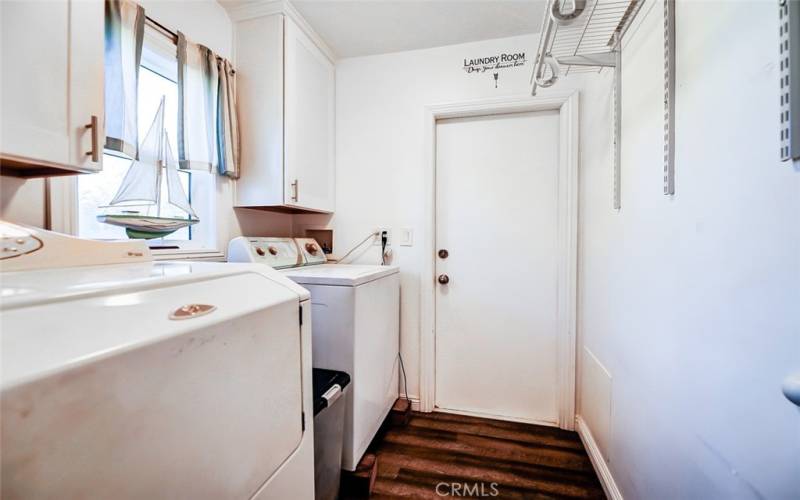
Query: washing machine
[125,378]
[355,313]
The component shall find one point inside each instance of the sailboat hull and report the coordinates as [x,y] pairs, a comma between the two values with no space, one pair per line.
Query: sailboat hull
[147,228]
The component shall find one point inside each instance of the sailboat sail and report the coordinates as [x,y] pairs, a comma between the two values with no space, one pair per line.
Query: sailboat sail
[175,192]
[142,182]
[142,185]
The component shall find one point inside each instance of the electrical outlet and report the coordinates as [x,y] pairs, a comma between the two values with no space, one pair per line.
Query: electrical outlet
[377,240]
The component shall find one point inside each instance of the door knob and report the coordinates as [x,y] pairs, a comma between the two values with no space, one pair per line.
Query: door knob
[791,388]
[443,279]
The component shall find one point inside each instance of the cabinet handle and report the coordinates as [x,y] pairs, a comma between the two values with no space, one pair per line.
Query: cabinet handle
[95,152]
[295,190]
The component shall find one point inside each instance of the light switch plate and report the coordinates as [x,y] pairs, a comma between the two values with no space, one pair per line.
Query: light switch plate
[406,237]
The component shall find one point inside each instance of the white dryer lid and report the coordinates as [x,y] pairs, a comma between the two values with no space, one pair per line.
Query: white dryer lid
[25,288]
[55,319]
[339,274]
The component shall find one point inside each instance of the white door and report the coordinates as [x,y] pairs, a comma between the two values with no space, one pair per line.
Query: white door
[309,127]
[496,216]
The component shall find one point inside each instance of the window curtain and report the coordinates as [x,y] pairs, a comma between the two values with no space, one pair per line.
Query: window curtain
[124,34]
[227,121]
[208,132]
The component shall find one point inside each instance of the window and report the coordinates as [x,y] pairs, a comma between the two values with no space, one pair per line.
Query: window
[157,78]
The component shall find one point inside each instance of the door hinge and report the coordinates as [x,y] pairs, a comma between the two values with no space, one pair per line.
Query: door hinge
[303,420]
[301,315]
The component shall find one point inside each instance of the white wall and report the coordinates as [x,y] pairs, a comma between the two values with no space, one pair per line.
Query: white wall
[22,201]
[380,162]
[203,21]
[692,302]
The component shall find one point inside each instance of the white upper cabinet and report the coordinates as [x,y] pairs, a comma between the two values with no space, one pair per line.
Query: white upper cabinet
[286,111]
[51,87]
[308,123]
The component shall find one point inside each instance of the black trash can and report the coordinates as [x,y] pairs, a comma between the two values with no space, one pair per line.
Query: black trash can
[329,387]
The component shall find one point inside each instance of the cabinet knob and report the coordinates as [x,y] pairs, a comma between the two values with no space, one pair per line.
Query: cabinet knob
[443,279]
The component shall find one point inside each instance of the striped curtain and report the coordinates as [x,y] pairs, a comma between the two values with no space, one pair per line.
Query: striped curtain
[208,130]
[124,34]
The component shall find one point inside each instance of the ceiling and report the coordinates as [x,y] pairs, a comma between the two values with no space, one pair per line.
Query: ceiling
[366,27]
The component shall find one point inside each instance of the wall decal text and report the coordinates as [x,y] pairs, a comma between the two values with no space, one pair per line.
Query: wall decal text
[494,64]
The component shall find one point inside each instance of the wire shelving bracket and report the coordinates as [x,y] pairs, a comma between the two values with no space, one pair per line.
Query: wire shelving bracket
[580,36]
[669,97]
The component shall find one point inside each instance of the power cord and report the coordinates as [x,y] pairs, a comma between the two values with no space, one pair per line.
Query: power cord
[384,241]
[370,235]
[405,380]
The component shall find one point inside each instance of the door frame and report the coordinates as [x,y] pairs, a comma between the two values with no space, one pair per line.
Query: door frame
[566,103]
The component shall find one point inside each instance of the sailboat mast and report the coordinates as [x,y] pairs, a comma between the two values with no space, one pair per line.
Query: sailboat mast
[162,159]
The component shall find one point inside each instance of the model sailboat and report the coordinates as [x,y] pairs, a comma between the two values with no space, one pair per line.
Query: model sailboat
[142,187]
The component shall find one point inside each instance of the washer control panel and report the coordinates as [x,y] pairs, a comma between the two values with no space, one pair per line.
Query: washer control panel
[278,253]
[311,251]
[25,248]
[14,246]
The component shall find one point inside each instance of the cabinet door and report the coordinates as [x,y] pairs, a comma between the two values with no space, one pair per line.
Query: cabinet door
[86,84]
[34,72]
[309,124]
[52,84]
[259,80]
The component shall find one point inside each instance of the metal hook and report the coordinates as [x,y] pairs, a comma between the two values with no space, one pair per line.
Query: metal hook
[568,17]
[550,62]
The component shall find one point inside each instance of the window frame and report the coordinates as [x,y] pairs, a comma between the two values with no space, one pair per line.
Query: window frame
[62,196]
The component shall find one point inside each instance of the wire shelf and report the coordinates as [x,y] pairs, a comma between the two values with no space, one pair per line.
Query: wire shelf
[594,33]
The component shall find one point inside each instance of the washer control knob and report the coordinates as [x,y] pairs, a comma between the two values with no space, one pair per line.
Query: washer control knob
[311,248]
[272,250]
[260,251]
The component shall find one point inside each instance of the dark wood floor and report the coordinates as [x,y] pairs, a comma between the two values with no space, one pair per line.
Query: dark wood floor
[524,461]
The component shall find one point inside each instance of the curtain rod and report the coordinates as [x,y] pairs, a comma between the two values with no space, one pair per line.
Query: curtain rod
[163,29]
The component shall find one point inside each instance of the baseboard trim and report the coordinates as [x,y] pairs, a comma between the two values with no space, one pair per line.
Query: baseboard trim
[492,416]
[414,400]
[599,463]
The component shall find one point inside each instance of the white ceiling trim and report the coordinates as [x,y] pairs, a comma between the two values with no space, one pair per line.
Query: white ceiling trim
[262,8]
